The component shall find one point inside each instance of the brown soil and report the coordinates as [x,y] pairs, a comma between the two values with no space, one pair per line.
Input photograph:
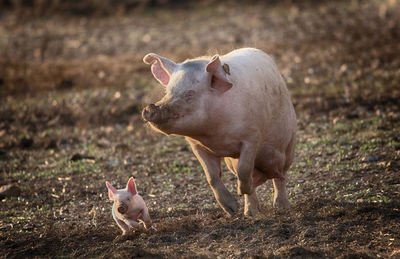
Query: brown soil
[73,87]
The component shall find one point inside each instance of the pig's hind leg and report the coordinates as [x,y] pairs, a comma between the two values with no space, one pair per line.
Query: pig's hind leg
[272,163]
[145,217]
[280,193]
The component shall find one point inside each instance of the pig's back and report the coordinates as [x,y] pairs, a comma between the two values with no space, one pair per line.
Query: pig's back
[253,70]
[261,93]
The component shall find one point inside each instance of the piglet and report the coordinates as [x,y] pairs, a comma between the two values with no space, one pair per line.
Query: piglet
[128,207]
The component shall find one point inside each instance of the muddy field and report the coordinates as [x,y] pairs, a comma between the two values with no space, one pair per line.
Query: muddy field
[72,88]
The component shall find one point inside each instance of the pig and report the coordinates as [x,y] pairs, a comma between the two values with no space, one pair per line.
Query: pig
[128,207]
[236,107]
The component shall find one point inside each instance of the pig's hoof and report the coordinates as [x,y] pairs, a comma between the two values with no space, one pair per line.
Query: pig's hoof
[251,205]
[281,204]
[231,207]
[251,211]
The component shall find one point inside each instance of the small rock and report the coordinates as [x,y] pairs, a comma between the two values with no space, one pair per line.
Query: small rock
[113,163]
[298,191]
[103,143]
[9,190]
[373,158]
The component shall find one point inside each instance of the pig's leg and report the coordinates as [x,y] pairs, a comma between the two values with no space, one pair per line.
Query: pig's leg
[245,168]
[271,162]
[212,168]
[133,223]
[280,194]
[251,205]
[122,225]
[146,218]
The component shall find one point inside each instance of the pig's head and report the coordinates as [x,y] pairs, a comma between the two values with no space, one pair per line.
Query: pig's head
[123,198]
[191,88]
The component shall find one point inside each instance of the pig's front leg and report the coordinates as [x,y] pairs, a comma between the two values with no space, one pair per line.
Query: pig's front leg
[212,168]
[248,153]
[121,224]
[251,205]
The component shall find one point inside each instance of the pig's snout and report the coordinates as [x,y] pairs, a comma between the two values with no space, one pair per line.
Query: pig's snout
[122,208]
[155,114]
[151,113]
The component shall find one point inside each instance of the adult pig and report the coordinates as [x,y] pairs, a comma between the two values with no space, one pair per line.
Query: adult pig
[235,107]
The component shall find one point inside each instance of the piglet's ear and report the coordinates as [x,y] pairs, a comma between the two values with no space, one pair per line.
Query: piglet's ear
[161,67]
[111,190]
[219,72]
[131,186]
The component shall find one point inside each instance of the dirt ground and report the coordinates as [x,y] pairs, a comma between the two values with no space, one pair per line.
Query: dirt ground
[72,89]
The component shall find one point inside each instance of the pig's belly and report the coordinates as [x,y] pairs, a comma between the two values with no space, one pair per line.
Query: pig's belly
[224,152]
[224,149]
[267,165]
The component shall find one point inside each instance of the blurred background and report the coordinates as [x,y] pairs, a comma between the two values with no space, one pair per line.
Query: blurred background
[50,45]
[72,86]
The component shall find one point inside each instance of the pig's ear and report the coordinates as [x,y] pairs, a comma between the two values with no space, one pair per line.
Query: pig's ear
[161,67]
[131,186]
[111,190]
[219,73]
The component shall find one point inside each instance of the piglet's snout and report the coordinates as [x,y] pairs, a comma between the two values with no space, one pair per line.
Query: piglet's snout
[122,208]
[151,113]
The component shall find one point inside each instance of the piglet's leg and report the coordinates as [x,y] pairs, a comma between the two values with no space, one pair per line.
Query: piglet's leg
[146,218]
[122,225]
[133,223]
[212,168]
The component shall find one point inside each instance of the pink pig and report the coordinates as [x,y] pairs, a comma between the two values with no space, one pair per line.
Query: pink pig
[234,107]
[128,207]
